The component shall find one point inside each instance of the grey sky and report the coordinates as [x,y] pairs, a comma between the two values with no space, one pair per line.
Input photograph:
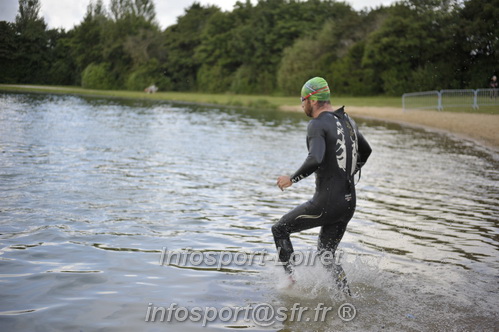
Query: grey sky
[67,13]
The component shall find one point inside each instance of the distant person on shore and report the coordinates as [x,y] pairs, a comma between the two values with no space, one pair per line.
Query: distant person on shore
[493,85]
[151,89]
[336,151]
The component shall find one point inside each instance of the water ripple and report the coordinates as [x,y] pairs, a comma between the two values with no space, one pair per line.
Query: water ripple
[93,189]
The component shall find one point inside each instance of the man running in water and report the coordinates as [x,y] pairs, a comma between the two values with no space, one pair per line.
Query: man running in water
[336,151]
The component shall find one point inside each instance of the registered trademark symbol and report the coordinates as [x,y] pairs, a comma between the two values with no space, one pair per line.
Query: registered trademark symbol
[347,312]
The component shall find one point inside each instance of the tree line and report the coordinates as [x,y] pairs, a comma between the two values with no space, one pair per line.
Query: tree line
[271,47]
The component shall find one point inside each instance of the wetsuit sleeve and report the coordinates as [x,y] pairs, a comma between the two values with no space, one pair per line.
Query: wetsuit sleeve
[316,142]
[364,150]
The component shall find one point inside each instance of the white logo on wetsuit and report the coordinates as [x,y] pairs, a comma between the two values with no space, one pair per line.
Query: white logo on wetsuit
[341,152]
[309,216]
[354,153]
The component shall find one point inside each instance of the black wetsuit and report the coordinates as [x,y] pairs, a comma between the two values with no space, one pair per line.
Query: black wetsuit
[336,151]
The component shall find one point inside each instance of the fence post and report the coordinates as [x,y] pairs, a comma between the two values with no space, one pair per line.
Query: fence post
[440,107]
[475,98]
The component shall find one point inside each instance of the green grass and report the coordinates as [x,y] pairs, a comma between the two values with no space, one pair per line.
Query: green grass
[227,99]
[247,101]
[251,101]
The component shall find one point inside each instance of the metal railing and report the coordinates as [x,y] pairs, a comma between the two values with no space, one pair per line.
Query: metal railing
[450,98]
[486,97]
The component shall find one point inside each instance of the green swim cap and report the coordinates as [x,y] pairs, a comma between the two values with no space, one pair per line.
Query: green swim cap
[316,89]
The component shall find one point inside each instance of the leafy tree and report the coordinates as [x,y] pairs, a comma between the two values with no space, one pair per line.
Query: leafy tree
[145,9]
[29,12]
[397,48]
[8,46]
[97,76]
[477,33]
[270,47]
[181,41]
[147,74]
[32,51]
[130,19]
[299,63]
[86,40]
[217,55]
[143,46]
[62,67]
[121,9]
[248,43]
[322,53]
[349,77]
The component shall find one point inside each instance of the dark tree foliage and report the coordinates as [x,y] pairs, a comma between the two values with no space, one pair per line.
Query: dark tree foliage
[181,41]
[8,51]
[270,47]
[31,55]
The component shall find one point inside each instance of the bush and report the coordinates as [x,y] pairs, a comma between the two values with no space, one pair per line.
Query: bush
[244,80]
[148,74]
[214,79]
[299,63]
[249,79]
[97,76]
[349,77]
[396,81]
[425,79]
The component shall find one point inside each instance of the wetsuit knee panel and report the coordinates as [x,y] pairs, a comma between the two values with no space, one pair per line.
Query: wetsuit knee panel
[279,230]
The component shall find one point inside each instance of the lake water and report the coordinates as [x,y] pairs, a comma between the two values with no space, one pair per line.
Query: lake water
[97,196]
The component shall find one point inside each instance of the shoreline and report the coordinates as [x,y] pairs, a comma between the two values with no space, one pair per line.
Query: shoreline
[482,129]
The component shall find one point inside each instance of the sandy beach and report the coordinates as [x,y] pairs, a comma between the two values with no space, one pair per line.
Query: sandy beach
[482,128]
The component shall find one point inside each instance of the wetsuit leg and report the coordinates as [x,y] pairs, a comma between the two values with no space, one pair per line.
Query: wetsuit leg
[329,239]
[332,232]
[331,235]
[309,215]
[303,217]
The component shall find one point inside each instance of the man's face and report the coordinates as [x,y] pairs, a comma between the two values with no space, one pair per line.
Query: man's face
[306,105]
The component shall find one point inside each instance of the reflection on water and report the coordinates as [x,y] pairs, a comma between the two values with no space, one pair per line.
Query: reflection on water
[92,190]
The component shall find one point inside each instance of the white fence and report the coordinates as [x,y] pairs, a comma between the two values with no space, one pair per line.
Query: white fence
[450,98]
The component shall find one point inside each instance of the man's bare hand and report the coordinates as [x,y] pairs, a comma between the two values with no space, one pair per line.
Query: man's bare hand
[283,182]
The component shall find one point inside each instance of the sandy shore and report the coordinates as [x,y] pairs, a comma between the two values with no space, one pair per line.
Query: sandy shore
[482,128]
